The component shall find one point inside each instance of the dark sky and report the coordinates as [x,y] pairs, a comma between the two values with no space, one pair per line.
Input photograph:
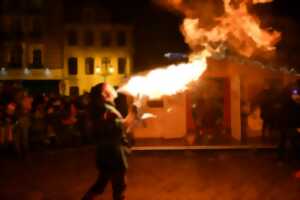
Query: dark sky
[157,29]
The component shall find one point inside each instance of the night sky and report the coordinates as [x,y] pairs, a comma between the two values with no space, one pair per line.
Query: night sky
[157,29]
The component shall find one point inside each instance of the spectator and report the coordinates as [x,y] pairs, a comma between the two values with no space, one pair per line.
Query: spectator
[290,122]
[10,123]
[23,125]
[38,128]
[70,134]
[53,122]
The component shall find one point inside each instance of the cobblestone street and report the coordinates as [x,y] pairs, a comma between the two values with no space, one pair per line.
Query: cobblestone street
[160,175]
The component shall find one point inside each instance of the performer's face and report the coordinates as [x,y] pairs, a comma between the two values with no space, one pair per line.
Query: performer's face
[109,93]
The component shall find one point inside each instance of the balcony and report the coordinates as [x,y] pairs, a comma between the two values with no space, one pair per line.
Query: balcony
[31,74]
[36,66]
[37,35]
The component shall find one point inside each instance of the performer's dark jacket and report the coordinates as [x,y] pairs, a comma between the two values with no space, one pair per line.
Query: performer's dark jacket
[111,140]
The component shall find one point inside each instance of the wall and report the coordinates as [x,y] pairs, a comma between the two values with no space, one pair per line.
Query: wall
[86,81]
[170,121]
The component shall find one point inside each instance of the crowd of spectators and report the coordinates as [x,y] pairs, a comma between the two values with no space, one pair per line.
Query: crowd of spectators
[33,122]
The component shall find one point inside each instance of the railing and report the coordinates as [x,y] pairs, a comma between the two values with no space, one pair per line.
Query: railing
[31,74]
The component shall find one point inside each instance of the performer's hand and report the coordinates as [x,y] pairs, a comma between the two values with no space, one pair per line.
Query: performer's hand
[128,150]
[134,110]
[131,117]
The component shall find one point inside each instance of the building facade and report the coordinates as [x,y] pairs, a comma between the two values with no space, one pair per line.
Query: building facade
[42,42]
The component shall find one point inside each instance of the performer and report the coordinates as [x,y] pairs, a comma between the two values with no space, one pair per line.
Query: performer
[109,127]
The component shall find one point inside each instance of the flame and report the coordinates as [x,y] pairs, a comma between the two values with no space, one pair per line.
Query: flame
[261,1]
[166,81]
[236,27]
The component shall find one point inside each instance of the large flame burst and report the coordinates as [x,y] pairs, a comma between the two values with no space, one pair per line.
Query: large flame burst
[236,28]
[166,81]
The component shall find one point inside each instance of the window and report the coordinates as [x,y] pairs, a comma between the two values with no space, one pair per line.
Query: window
[88,15]
[16,28]
[88,38]
[36,4]
[36,28]
[15,57]
[107,69]
[89,65]
[74,91]
[106,38]
[10,4]
[6,4]
[105,61]
[121,38]
[72,38]
[72,66]
[121,65]
[37,58]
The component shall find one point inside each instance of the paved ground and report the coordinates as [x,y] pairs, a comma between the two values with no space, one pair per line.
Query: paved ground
[168,175]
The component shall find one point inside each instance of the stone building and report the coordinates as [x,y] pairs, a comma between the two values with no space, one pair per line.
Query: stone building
[51,45]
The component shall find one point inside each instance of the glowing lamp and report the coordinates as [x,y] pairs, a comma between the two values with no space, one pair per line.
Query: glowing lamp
[26,71]
[98,70]
[111,70]
[3,71]
[47,72]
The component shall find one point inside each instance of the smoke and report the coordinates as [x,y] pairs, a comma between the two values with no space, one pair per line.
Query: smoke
[215,25]
[207,10]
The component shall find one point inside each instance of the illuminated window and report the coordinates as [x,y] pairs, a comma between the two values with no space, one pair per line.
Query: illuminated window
[106,38]
[121,38]
[74,91]
[105,61]
[106,69]
[121,65]
[72,38]
[72,66]
[89,65]
[88,38]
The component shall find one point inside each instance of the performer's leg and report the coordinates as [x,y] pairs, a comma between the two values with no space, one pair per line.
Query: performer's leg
[98,187]
[119,185]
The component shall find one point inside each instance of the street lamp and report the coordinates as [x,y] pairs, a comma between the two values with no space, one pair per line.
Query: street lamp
[27,71]
[3,71]
[106,69]
[47,72]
